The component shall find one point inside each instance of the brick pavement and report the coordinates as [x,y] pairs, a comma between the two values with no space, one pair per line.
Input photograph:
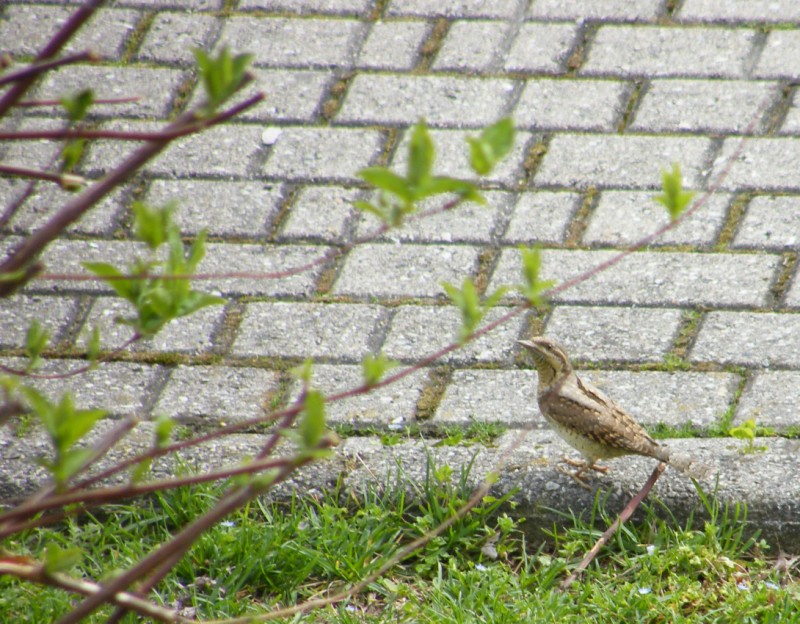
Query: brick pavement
[702,324]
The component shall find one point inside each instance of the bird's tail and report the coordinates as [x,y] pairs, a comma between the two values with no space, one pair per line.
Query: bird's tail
[685,464]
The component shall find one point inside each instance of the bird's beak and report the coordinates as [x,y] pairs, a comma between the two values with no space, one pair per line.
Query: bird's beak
[527,344]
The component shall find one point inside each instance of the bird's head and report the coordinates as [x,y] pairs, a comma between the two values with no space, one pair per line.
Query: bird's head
[549,357]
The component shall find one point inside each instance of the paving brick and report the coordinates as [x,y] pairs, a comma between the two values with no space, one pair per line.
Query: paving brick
[748,339]
[217,395]
[791,123]
[266,261]
[596,9]
[770,398]
[780,57]
[542,217]
[752,10]
[390,270]
[454,8]
[441,101]
[292,42]
[617,334]
[622,218]
[471,46]
[652,278]
[770,223]
[227,150]
[583,160]
[571,104]
[25,29]
[467,223]
[309,6]
[419,331]
[18,311]
[197,5]
[541,47]
[652,51]
[762,165]
[320,213]
[393,45]
[702,105]
[244,209]
[332,330]
[156,87]
[47,199]
[121,388]
[509,396]
[189,334]
[393,406]
[321,154]
[172,37]
[793,296]
[40,155]
[452,157]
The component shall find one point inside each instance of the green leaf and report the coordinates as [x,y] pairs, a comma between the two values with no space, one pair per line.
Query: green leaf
[312,427]
[93,345]
[374,368]
[441,184]
[303,372]
[71,153]
[493,144]
[533,287]
[220,76]
[78,104]
[152,225]
[35,342]
[673,197]
[163,430]
[468,302]
[125,288]
[372,209]
[57,559]
[420,156]
[386,180]
[745,431]
[140,471]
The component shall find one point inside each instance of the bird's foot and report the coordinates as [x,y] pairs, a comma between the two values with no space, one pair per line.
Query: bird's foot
[577,475]
[583,466]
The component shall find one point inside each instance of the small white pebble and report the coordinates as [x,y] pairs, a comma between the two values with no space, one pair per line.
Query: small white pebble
[480,567]
[645,590]
[651,549]
[270,136]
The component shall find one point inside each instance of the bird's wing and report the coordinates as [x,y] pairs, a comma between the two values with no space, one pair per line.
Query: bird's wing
[583,407]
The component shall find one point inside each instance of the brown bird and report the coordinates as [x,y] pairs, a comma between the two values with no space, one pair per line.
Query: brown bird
[588,420]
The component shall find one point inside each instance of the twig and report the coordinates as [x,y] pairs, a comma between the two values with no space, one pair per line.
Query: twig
[623,516]
[37,68]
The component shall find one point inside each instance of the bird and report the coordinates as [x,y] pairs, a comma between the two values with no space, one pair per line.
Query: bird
[588,420]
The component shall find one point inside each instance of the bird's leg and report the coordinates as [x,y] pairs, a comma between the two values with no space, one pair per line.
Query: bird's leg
[583,466]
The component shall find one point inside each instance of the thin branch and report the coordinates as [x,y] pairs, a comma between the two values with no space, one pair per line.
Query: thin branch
[623,516]
[35,69]
[64,180]
[37,103]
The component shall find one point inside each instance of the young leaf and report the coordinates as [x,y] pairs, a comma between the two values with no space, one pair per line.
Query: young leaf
[312,427]
[57,559]
[152,225]
[35,342]
[71,154]
[386,180]
[163,430]
[78,104]
[420,156]
[672,195]
[375,368]
[492,145]
[533,287]
[468,302]
[303,372]
[220,76]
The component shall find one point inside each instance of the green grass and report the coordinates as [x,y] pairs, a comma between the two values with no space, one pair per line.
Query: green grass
[480,570]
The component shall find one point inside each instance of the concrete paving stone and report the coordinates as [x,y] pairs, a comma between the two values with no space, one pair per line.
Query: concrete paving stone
[471,45]
[656,51]
[442,101]
[616,334]
[47,199]
[702,105]
[571,104]
[172,37]
[266,261]
[25,29]
[245,209]
[793,296]
[103,155]
[302,330]
[392,270]
[755,339]
[770,398]
[771,222]
[542,216]
[292,42]
[196,5]
[780,57]
[762,164]
[596,9]
[191,334]
[652,278]
[393,406]
[321,154]
[468,223]
[120,388]
[157,88]
[541,48]
[583,160]
[310,6]
[393,45]
[452,157]
[508,397]
[455,8]
[218,395]
[742,11]
[419,331]
[18,311]
[320,213]
[39,155]
[791,123]
[622,218]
